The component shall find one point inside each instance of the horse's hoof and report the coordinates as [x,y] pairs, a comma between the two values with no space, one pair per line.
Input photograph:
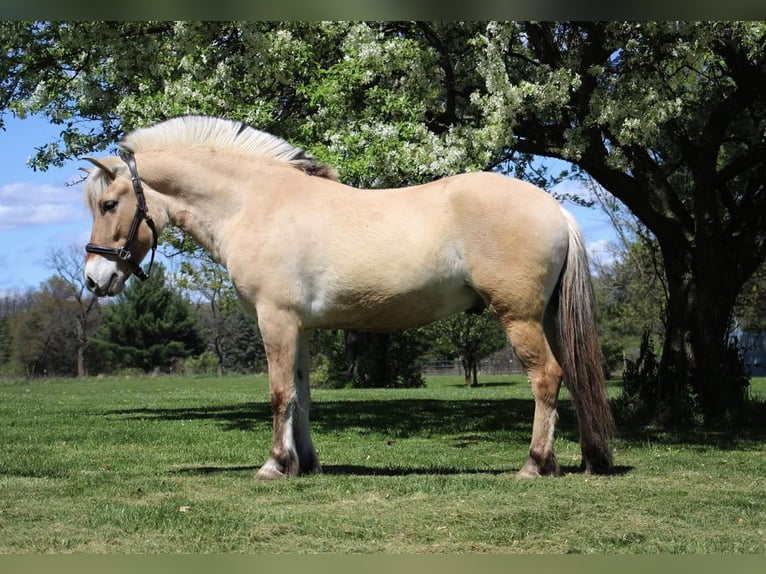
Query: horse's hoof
[526,473]
[603,466]
[269,474]
[529,470]
[533,470]
[269,471]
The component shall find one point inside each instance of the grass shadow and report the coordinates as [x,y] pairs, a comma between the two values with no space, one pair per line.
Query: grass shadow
[404,418]
[210,469]
[508,383]
[365,470]
[465,420]
[751,430]
[244,416]
[351,470]
[396,418]
[362,470]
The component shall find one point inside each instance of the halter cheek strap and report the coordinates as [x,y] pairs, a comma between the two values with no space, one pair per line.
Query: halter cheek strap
[141,214]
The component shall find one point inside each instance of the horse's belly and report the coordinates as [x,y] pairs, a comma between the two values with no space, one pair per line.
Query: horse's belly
[381,310]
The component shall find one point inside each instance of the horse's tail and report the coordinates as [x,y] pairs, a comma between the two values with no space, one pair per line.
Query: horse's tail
[580,354]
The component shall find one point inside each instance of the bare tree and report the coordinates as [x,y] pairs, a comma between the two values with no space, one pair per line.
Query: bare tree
[68,264]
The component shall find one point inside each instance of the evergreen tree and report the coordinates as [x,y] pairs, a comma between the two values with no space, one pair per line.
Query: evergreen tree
[150,326]
[244,352]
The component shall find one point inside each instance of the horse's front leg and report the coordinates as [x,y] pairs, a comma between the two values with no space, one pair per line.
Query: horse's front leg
[287,351]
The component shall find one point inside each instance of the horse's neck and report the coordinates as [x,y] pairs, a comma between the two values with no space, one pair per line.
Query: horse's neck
[191,198]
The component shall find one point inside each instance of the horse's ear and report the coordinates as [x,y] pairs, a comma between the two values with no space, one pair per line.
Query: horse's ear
[101,166]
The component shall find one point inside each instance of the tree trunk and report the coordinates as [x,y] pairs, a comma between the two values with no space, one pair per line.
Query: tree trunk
[220,355]
[718,377]
[699,373]
[466,370]
[672,399]
[470,370]
[82,345]
[81,372]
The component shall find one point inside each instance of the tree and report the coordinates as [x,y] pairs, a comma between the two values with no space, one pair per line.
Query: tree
[44,331]
[631,298]
[386,360]
[33,332]
[208,282]
[230,332]
[243,351]
[664,116]
[366,360]
[471,337]
[750,310]
[150,326]
[6,342]
[69,265]
[667,116]
[11,304]
[630,288]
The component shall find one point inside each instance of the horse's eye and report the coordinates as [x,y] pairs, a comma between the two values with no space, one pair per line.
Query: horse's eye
[108,205]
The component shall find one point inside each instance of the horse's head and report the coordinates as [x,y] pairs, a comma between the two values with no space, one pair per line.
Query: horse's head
[118,241]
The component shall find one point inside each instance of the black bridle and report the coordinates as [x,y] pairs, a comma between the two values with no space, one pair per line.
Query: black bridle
[141,214]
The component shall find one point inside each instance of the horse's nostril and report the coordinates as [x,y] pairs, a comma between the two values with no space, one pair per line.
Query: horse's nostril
[90,284]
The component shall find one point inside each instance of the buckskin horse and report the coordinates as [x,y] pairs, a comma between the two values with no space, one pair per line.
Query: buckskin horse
[307,252]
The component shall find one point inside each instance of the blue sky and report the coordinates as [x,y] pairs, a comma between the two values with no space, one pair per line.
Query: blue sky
[43,210]
[38,210]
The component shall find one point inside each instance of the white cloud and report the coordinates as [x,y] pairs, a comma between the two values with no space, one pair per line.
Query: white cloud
[573,188]
[601,251]
[25,204]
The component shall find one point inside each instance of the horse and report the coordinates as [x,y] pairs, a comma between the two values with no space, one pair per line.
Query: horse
[305,251]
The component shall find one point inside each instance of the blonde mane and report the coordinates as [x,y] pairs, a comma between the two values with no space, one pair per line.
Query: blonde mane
[202,132]
[218,133]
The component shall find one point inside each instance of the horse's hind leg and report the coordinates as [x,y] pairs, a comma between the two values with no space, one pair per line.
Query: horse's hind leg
[545,376]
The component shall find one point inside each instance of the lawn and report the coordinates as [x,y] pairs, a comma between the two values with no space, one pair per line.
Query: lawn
[166,465]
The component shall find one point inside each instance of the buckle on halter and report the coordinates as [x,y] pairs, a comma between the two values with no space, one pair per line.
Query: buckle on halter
[138,272]
[124,254]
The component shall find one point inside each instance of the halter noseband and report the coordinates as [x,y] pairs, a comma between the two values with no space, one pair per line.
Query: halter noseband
[141,214]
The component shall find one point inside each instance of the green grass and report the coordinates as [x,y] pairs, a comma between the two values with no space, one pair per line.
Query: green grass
[166,465]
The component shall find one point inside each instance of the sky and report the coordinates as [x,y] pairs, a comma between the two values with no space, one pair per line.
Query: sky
[41,211]
[38,210]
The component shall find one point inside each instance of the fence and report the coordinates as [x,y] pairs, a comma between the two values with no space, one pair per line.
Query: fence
[503,362]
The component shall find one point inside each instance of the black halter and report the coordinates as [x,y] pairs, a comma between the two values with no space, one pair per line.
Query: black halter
[142,214]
